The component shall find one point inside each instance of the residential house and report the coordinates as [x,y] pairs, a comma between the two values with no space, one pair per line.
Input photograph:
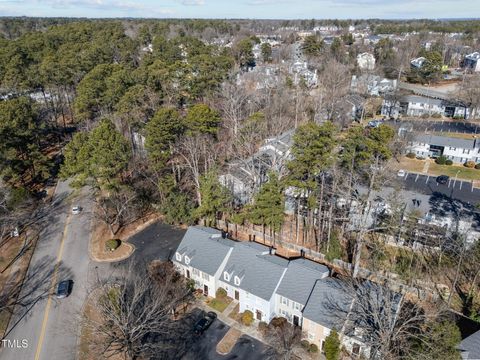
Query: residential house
[416,106]
[366,61]
[372,84]
[470,347]
[472,61]
[251,276]
[201,256]
[296,287]
[455,149]
[417,63]
[373,39]
[301,72]
[327,308]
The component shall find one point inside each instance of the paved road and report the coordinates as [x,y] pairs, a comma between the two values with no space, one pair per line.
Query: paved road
[50,325]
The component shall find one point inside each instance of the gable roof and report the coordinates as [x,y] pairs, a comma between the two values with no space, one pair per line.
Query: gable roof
[447,141]
[300,278]
[470,346]
[328,304]
[259,272]
[205,247]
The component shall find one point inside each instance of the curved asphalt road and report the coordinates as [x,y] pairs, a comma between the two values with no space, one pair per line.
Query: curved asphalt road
[49,325]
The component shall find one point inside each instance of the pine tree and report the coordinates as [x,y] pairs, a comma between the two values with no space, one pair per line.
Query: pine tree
[332,346]
[214,198]
[269,204]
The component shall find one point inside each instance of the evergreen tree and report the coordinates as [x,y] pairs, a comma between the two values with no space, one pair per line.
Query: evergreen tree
[202,119]
[269,204]
[161,132]
[214,198]
[266,52]
[312,45]
[332,346]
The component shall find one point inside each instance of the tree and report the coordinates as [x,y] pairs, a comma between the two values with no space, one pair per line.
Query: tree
[266,49]
[202,119]
[432,67]
[21,159]
[161,132]
[269,204]
[337,49]
[312,45]
[283,337]
[440,340]
[214,198]
[332,346]
[135,310]
[102,155]
[244,53]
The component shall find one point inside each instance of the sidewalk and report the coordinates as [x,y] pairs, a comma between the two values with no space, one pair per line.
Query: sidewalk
[251,331]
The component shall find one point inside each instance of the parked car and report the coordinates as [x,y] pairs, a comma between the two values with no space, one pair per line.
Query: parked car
[442,179]
[204,323]
[76,210]
[64,288]
[401,173]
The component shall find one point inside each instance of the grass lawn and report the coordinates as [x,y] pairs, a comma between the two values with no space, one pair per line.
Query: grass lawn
[410,165]
[219,304]
[451,170]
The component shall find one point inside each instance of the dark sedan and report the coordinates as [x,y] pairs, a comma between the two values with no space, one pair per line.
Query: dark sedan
[442,179]
[204,323]
[64,288]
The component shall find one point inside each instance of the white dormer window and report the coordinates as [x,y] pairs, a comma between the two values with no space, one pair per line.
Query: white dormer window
[237,280]
[226,276]
[187,260]
[178,256]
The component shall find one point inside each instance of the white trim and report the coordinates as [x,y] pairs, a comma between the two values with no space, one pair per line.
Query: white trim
[178,256]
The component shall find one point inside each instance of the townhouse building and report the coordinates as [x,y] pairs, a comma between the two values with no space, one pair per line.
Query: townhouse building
[472,61]
[251,276]
[457,150]
[269,286]
[201,256]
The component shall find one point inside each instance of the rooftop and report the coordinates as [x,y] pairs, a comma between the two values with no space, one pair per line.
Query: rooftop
[448,141]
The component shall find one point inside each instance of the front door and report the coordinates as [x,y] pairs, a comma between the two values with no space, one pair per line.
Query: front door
[237,295]
[259,315]
[205,290]
[296,321]
[188,274]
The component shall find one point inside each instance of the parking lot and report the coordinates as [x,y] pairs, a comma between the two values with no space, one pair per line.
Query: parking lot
[428,185]
[204,347]
[437,126]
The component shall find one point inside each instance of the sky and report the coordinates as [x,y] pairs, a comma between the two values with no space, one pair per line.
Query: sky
[258,9]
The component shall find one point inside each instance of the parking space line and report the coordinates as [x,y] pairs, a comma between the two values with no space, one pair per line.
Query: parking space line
[416,178]
[426,181]
[461,182]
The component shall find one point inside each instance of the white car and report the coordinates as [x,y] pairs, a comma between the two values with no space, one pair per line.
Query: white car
[401,173]
[76,210]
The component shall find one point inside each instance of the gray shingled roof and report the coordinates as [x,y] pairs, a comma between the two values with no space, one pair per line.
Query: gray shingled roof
[328,304]
[300,278]
[471,345]
[259,272]
[205,247]
[446,141]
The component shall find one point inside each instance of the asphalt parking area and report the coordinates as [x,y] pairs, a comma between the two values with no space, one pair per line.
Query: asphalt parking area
[456,189]
[204,346]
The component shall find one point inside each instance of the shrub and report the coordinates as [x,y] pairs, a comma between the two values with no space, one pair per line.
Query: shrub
[411,155]
[448,162]
[470,164]
[313,348]
[278,321]
[436,116]
[247,318]
[332,346]
[477,166]
[441,160]
[112,244]
[263,327]
[305,344]
[421,157]
[221,293]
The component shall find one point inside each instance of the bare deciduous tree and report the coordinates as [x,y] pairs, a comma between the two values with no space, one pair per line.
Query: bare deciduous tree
[283,337]
[136,314]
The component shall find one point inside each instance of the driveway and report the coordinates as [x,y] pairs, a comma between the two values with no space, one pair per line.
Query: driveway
[204,348]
